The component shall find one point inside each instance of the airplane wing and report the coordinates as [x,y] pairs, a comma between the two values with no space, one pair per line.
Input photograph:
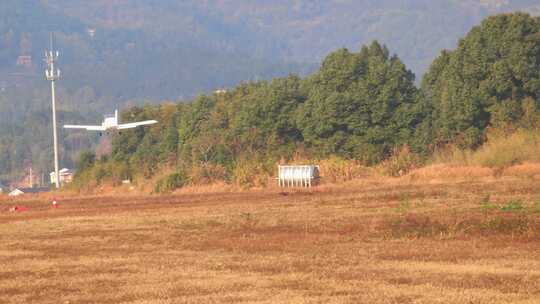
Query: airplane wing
[88,128]
[136,124]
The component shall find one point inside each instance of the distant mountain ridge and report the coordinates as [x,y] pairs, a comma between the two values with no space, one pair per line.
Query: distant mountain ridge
[171,49]
[301,30]
[120,63]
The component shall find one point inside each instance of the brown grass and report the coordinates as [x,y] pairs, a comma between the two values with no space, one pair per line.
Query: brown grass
[530,170]
[393,240]
[451,172]
[502,149]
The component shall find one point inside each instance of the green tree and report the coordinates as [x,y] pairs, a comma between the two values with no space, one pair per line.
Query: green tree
[86,160]
[485,81]
[360,105]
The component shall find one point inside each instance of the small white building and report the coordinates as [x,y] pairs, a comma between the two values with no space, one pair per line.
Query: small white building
[66,176]
[91,32]
[220,91]
[16,192]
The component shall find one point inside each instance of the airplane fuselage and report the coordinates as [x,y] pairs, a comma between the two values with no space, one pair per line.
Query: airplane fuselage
[110,121]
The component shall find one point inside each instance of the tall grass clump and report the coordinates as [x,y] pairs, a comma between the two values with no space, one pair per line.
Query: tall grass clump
[252,172]
[104,171]
[451,155]
[335,169]
[208,173]
[501,150]
[400,163]
[171,182]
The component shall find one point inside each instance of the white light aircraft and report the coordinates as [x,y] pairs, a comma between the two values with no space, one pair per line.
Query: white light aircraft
[110,123]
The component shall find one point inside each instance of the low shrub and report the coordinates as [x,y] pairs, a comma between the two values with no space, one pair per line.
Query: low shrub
[102,172]
[415,225]
[487,206]
[335,169]
[535,208]
[171,182]
[497,221]
[208,173]
[404,205]
[513,205]
[400,163]
[253,172]
[506,225]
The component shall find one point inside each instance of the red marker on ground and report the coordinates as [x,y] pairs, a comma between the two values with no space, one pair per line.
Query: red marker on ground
[19,209]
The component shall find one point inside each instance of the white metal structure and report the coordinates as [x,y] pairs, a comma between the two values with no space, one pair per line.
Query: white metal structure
[110,123]
[298,175]
[52,75]
[66,176]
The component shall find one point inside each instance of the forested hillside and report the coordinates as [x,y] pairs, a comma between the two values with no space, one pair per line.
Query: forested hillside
[361,105]
[300,30]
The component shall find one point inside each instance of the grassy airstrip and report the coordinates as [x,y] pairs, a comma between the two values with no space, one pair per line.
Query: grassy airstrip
[373,241]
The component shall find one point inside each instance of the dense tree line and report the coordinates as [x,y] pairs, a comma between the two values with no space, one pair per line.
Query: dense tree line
[26,130]
[359,106]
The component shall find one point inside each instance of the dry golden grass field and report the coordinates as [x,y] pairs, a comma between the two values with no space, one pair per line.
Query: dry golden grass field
[373,241]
